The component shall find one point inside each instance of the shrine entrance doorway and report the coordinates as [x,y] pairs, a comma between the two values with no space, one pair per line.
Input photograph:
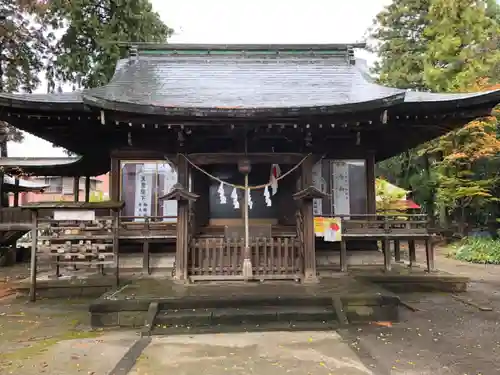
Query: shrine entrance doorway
[218,252]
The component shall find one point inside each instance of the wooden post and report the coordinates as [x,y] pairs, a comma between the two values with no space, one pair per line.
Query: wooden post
[34,245]
[429,254]
[87,188]
[116,244]
[386,244]
[343,256]
[308,217]
[397,250]
[182,222]
[76,189]
[16,192]
[145,257]
[387,255]
[412,252]
[114,183]
[371,204]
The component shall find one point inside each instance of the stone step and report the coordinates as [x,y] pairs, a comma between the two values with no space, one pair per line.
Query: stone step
[241,301]
[244,319]
[261,327]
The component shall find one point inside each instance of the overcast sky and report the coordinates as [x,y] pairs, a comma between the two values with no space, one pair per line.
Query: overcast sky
[255,21]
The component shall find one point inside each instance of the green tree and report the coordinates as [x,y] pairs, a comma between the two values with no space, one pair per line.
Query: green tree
[397,36]
[442,45]
[23,46]
[87,53]
[463,39]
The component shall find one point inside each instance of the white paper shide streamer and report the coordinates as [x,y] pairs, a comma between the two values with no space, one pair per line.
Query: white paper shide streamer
[267,197]
[222,196]
[250,202]
[234,197]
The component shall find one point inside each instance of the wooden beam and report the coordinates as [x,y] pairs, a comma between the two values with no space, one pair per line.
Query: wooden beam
[114,183]
[16,192]
[76,188]
[308,225]
[87,188]
[412,252]
[182,223]
[371,199]
[397,250]
[255,158]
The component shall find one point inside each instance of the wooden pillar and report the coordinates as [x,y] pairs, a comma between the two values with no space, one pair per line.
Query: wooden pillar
[114,183]
[371,205]
[429,253]
[33,265]
[412,252]
[308,217]
[145,258]
[76,188]
[386,246]
[387,254]
[116,244]
[182,222]
[87,188]
[16,192]
[397,250]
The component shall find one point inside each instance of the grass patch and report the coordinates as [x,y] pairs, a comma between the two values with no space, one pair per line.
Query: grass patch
[476,250]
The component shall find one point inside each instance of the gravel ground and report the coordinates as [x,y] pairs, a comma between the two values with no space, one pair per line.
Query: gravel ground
[445,336]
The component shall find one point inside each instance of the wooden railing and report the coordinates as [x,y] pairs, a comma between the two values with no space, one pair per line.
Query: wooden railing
[147,227]
[10,215]
[222,258]
[379,226]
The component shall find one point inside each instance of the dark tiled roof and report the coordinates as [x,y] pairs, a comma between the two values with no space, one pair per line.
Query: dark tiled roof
[278,81]
[203,79]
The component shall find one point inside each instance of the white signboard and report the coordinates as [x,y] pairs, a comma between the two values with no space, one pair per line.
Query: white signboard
[341,196]
[143,189]
[320,184]
[76,215]
[168,175]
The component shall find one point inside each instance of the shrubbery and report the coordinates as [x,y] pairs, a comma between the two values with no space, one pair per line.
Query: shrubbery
[477,250]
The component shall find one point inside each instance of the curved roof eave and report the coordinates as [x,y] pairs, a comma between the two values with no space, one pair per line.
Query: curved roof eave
[24,185]
[456,100]
[243,111]
[68,101]
[74,166]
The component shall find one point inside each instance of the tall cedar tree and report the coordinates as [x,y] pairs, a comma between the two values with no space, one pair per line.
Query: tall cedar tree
[442,45]
[399,41]
[88,51]
[463,39]
[23,47]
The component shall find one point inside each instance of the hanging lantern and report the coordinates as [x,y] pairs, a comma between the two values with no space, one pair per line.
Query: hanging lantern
[244,166]
[275,174]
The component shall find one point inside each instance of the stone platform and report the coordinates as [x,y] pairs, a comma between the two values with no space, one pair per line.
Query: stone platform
[162,306]
[403,279]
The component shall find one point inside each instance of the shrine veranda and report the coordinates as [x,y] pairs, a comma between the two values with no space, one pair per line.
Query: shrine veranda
[183,129]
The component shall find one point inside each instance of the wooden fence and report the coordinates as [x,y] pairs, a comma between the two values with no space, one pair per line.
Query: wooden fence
[222,258]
